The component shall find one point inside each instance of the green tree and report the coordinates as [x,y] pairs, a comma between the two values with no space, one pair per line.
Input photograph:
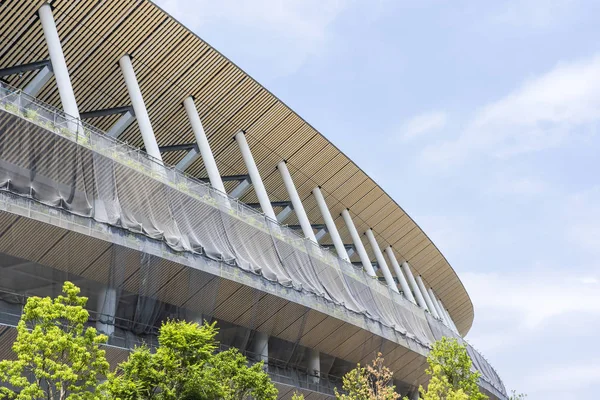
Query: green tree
[186,367]
[373,382]
[451,374]
[57,357]
[516,396]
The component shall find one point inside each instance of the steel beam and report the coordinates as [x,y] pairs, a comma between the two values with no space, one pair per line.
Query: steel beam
[106,112]
[19,69]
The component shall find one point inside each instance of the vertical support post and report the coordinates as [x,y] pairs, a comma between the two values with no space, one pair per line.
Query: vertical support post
[296,202]
[261,346]
[448,317]
[331,228]
[381,261]
[430,305]
[207,155]
[314,365]
[259,187]
[139,108]
[403,283]
[437,306]
[107,308]
[358,244]
[415,287]
[59,65]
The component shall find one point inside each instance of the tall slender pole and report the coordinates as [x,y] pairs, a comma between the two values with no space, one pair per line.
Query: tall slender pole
[381,261]
[358,244]
[437,306]
[259,187]
[428,300]
[403,283]
[205,151]
[59,65]
[331,228]
[296,202]
[415,287]
[139,107]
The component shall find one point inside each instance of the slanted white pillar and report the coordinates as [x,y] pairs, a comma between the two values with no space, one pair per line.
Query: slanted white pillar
[437,306]
[261,346]
[448,317]
[59,65]
[358,244]
[259,187]
[139,108]
[415,287]
[403,283]
[207,155]
[331,228]
[430,305]
[314,365]
[39,81]
[381,261]
[107,307]
[296,202]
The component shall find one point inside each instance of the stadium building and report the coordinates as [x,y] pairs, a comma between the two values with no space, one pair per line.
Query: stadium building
[147,168]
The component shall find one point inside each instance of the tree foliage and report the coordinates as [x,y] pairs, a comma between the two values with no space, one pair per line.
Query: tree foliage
[57,357]
[451,374]
[372,382]
[186,367]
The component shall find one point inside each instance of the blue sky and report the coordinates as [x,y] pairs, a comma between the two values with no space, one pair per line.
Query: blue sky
[481,119]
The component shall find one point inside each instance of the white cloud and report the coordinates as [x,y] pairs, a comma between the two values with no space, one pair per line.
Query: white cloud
[422,124]
[532,297]
[293,29]
[517,186]
[566,376]
[583,220]
[540,14]
[541,114]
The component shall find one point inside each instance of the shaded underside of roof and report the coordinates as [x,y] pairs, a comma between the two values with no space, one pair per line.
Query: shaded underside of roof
[172,63]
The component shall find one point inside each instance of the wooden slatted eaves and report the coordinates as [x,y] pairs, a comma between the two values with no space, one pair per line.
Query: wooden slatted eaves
[172,63]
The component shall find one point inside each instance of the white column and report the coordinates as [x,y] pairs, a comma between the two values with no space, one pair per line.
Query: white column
[59,65]
[403,283]
[261,346]
[413,284]
[358,244]
[331,228]
[139,108]
[259,187]
[296,202]
[436,306]
[207,156]
[107,307]
[381,261]
[314,365]
[39,81]
[448,317]
[430,305]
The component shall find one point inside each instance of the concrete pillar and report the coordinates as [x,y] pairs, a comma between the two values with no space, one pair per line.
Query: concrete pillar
[107,307]
[430,305]
[314,365]
[381,261]
[437,306]
[259,187]
[207,155]
[403,283]
[448,317]
[139,108]
[296,202]
[260,346]
[331,228]
[358,244]
[59,65]
[414,286]
[39,81]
